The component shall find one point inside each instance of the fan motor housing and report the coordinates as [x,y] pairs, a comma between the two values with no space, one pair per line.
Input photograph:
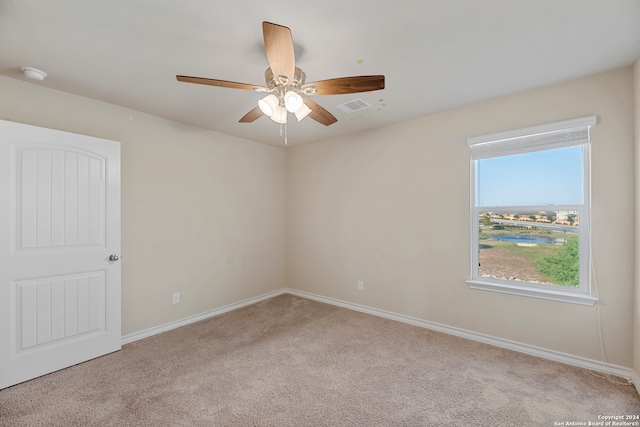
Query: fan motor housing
[298,79]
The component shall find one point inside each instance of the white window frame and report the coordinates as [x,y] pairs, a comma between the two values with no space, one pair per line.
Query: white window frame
[550,136]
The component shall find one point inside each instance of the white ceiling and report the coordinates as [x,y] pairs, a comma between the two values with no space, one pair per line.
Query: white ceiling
[435,54]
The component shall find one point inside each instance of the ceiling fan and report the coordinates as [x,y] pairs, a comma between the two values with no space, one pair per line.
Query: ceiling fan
[285,83]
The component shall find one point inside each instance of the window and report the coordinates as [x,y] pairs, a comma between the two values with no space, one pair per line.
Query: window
[530,211]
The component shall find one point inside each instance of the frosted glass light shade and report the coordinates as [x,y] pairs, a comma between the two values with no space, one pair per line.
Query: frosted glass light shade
[293,102]
[302,112]
[279,115]
[268,104]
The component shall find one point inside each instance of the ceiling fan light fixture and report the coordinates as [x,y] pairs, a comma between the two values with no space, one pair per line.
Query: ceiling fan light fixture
[285,89]
[279,114]
[302,112]
[268,104]
[293,102]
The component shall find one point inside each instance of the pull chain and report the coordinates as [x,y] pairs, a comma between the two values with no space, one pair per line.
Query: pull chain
[284,126]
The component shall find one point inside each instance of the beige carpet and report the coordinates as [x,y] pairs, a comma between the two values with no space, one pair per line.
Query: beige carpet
[289,361]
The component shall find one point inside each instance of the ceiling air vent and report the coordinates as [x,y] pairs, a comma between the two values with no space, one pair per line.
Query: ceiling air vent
[354,105]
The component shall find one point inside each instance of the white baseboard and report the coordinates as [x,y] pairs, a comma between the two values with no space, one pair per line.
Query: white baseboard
[557,356]
[129,338]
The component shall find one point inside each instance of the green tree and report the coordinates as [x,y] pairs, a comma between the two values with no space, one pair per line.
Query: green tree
[562,267]
[485,220]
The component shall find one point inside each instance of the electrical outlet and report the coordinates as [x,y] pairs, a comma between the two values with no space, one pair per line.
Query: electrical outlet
[176,298]
[360,285]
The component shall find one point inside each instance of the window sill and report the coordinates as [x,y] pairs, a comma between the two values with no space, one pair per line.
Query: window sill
[570,297]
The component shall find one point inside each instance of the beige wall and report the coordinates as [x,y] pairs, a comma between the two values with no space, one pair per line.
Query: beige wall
[202,212]
[636,323]
[391,207]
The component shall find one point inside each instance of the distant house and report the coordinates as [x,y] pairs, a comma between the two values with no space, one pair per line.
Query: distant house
[565,215]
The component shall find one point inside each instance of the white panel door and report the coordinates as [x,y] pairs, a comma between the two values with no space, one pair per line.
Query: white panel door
[59,226]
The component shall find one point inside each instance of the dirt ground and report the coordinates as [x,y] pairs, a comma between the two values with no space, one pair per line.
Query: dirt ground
[497,264]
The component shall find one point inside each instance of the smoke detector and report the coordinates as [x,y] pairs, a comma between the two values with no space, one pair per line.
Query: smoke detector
[33,73]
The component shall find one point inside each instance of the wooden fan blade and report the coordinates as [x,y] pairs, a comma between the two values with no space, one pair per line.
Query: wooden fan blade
[252,115]
[319,114]
[344,85]
[278,44]
[220,83]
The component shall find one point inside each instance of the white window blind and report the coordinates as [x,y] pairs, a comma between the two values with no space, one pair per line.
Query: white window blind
[537,138]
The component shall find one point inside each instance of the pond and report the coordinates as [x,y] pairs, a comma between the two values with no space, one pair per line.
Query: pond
[524,238]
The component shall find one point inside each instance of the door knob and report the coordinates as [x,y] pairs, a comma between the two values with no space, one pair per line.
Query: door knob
[114,258]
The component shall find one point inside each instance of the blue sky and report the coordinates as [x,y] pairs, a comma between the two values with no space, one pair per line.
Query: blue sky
[539,178]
